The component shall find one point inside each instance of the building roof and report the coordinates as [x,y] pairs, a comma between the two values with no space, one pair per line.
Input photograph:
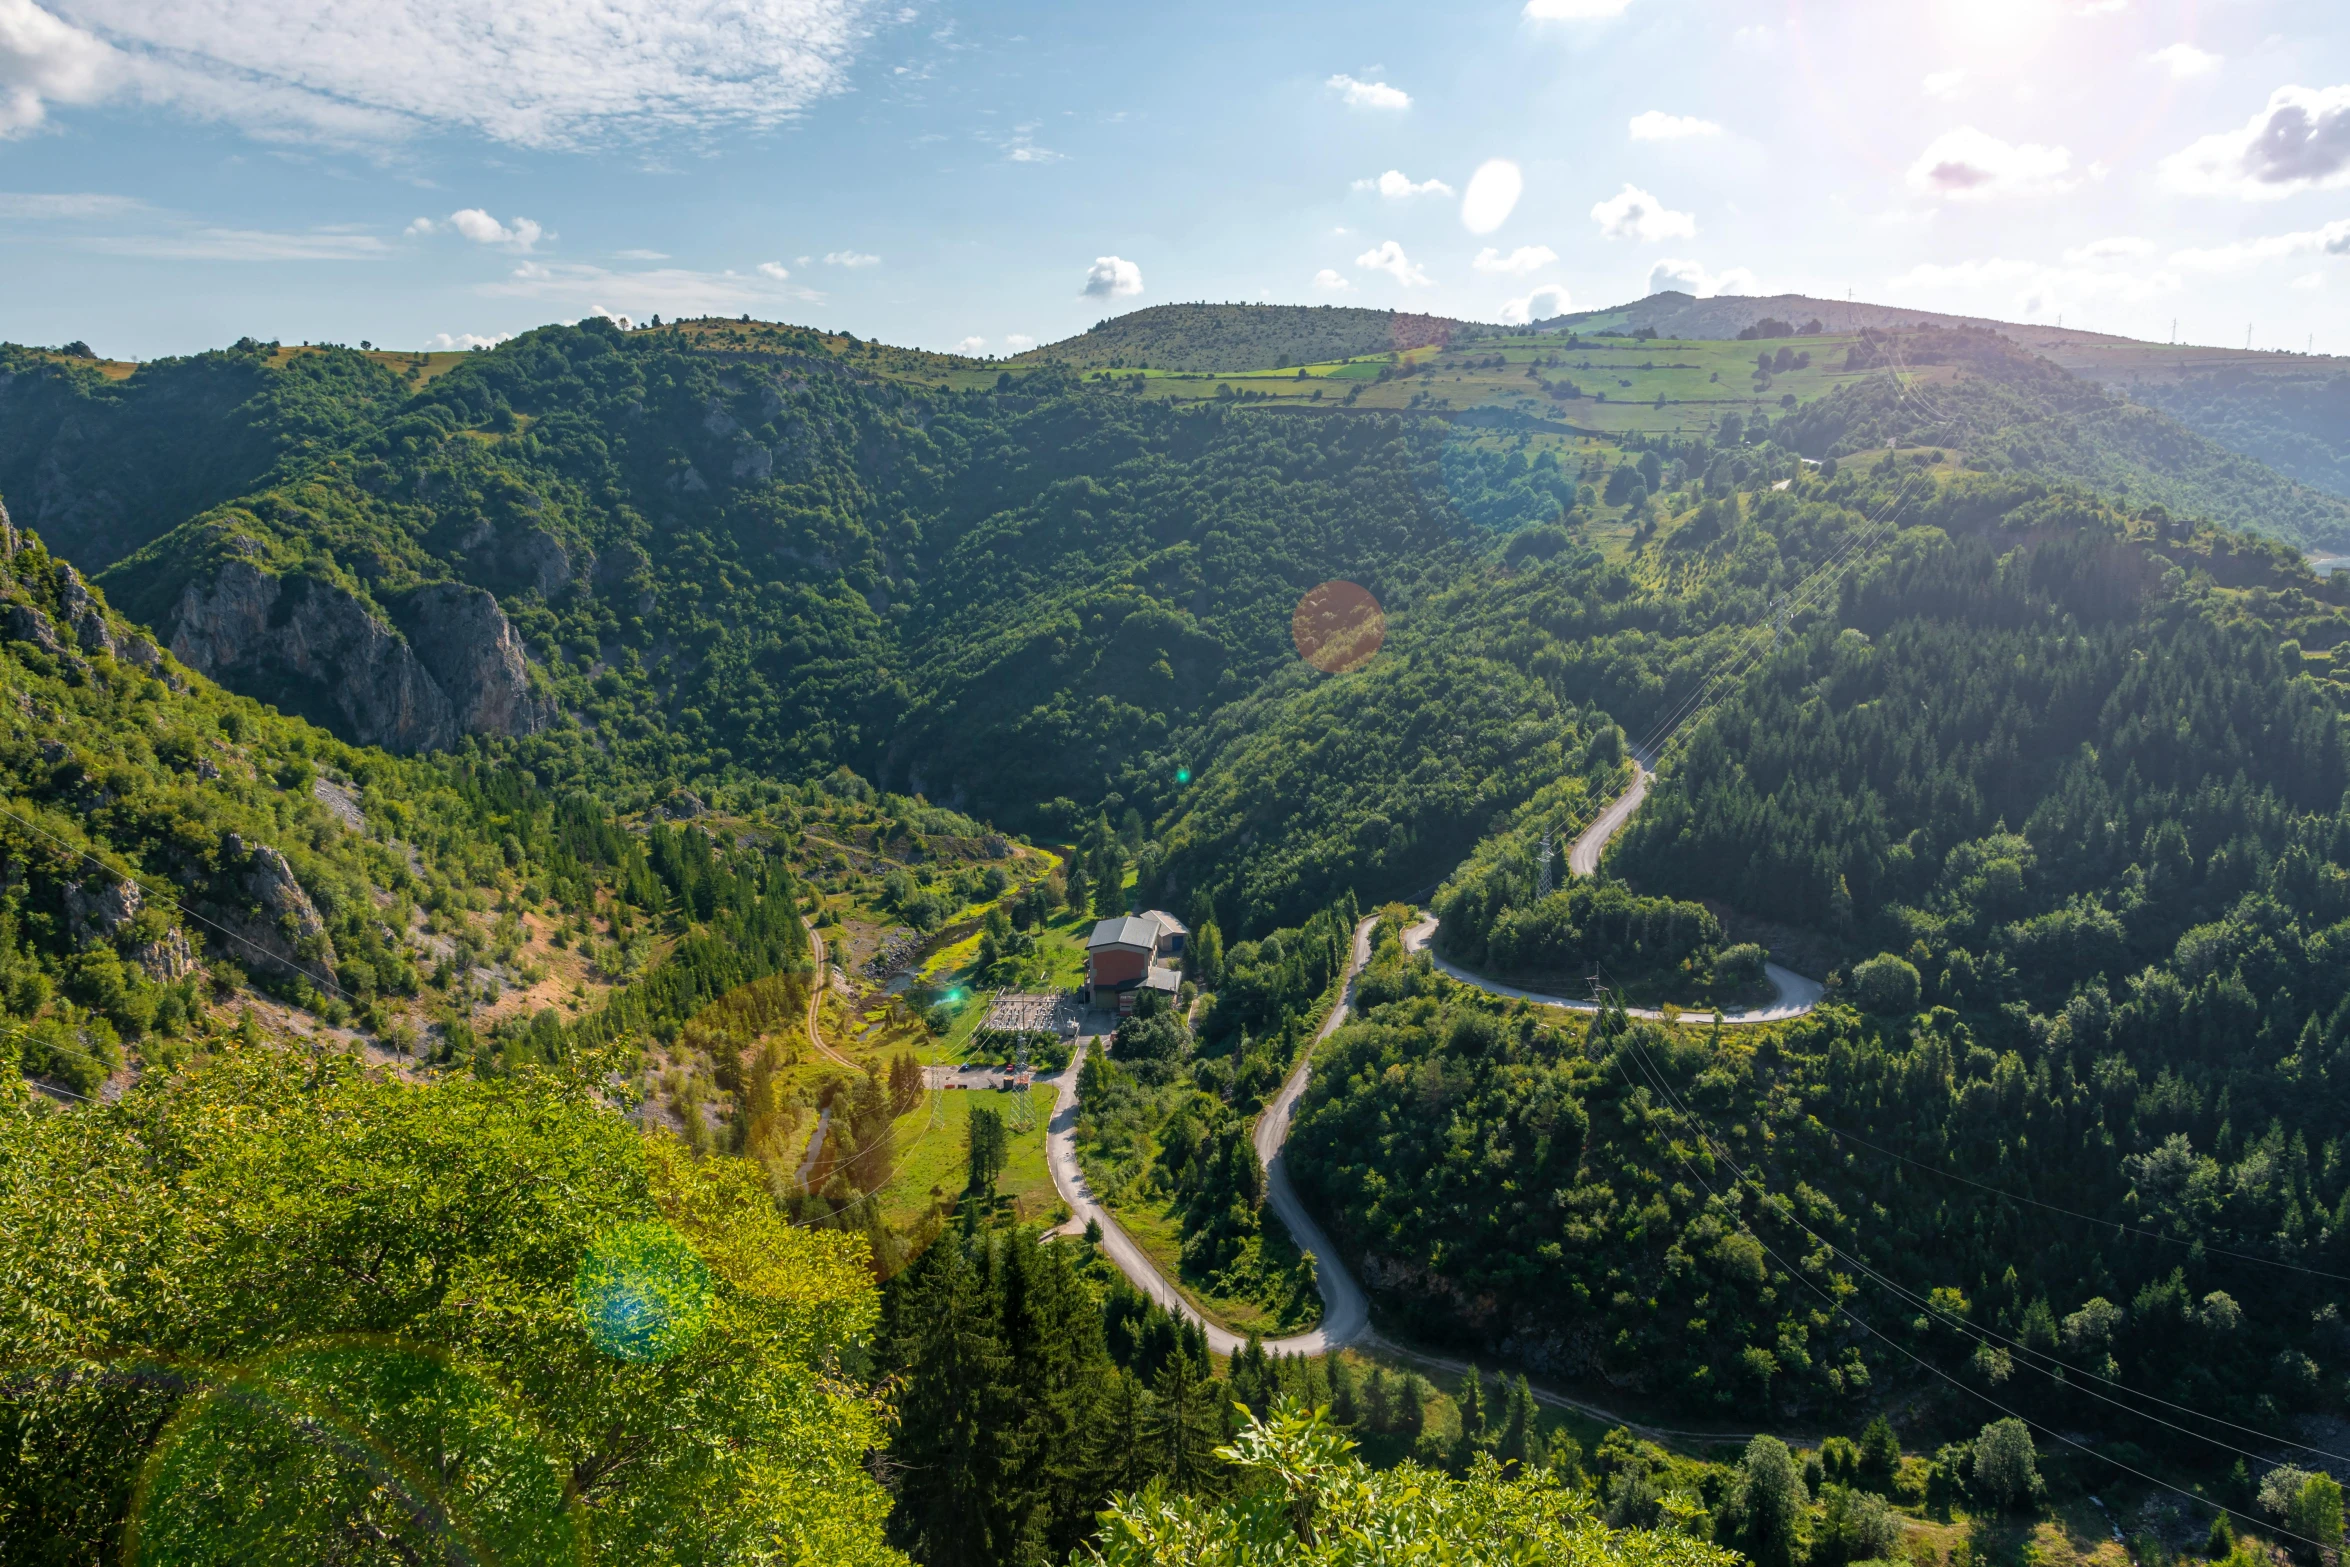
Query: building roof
[1125,931]
[1168,923]
[1163,978]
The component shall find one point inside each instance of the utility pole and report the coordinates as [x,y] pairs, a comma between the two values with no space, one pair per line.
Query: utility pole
[2247,337]
[2174,331]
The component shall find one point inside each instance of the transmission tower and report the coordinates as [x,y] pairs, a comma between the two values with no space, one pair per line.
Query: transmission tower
[1545,880]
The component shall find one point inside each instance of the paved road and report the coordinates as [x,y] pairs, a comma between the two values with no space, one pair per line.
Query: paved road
[1795,994]
[1346,1314]
[1583,858]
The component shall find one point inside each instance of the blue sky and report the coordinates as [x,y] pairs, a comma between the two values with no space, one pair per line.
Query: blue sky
[177,173]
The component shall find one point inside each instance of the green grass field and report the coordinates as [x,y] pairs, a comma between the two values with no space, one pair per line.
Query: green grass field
[931,1143]
[1621,380]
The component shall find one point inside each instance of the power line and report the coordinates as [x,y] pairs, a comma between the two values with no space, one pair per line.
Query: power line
[1692,1120]
[2113,1224]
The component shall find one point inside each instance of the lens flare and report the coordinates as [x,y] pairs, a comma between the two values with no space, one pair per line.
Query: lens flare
[1337,627]
[643,1293]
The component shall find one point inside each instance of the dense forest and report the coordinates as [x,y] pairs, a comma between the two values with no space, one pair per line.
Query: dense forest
[2298,423]
[2008,409]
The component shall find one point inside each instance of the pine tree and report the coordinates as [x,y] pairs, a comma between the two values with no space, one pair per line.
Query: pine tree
[1518,1436]
[1411,1407]
[1124,1455]
[950,1414]
[1187,1425]
[1345,1405]
[1474,1424]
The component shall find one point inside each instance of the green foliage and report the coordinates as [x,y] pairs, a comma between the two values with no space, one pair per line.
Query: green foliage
[1885,984]
[2004,1472]
[1763,1517]
[1304,1499]
[245,1193]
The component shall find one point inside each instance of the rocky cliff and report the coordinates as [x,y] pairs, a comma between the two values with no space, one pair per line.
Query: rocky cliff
[312,648]
[262,919]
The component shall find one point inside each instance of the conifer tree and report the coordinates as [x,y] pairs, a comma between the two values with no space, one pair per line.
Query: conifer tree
[1186,1424]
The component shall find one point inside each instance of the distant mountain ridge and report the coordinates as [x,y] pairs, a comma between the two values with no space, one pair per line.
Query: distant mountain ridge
[1245,337]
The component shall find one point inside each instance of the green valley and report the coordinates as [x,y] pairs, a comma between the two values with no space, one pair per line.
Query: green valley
[546,896]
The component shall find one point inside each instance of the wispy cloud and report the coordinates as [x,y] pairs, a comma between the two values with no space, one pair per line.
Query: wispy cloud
[1656,125]
[1519,262]
[2184,60]
[2331,240]
[226,244]
[1369,95]
[2030,290]
[776,270]
[1691,277]
[1574,10]
[1396,185]
[675,291]
[539,73]
[1972,165]
[476,225]
[850,258]
[67,206]
[1633,213]
[1388,257]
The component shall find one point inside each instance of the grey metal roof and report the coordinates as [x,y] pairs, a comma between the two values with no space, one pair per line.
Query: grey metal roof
[1126,930]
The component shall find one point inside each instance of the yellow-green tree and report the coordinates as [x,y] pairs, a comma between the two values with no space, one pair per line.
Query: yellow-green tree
[274,1310]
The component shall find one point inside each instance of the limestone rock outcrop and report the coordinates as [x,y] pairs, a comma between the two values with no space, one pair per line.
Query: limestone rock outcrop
[265,920]
[314,649]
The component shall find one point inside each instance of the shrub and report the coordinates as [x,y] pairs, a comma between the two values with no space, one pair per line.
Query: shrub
[1886,985]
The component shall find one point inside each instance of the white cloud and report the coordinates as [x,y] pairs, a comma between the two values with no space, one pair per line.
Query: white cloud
[774,269]
[1112,277]
[2300,140]
[625,323]
[1944,85]
[1019,342]
[482,229]
[669,291]
[2118,247]
[1656,125]
[1396,185]
[1691,277]
[641,255]
[224,244]
[1330,281]
[1519,262]
[2183,60]
[1574,10]
[850,258]
[1540,305]
[2029,290]
[540,73]
[2308,280]
[1633,213]
[1390,259]
[1022,148]
[1973,165]
[972,347]
[2331,240]
[46,206]
[443,342]
[1492,194]
[1369,95]
[44,60]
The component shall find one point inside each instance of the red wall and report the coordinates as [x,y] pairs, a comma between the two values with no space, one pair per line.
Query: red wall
[1116,965]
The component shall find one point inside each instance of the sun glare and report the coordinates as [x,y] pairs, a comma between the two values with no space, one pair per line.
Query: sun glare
[1986,31]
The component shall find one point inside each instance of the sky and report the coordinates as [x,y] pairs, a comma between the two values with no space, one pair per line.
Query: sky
[175,174]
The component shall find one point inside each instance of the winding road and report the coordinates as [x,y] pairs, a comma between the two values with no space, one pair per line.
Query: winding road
[1346,1317]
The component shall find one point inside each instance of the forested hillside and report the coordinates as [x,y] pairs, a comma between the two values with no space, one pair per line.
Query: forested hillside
[2075,812]
[2299,424]
[2009,410]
